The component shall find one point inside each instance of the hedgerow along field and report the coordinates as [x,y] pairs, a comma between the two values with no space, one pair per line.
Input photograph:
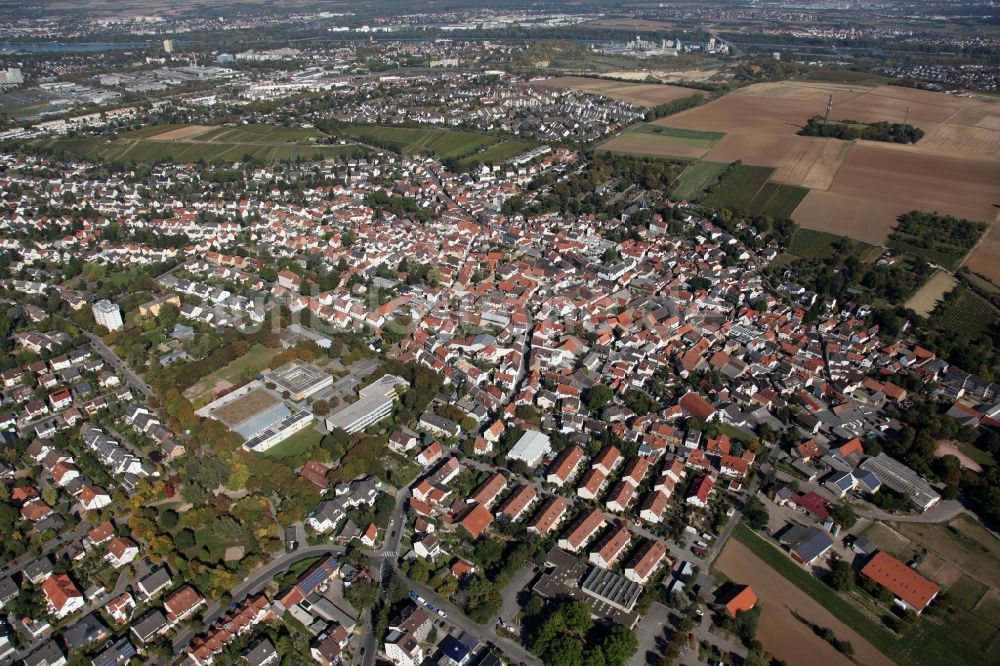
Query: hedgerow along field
[440,143]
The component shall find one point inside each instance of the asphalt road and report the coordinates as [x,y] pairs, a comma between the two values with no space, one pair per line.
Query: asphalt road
[256,583]
[485,634]
[385,562]
[134,380]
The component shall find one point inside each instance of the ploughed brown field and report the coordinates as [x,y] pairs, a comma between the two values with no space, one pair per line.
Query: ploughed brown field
[859,188]
[784,636]
[639,94]
[887,173]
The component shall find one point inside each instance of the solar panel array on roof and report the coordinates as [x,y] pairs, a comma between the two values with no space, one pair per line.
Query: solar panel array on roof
[612,587]
[119,653]
[314,579]
[813,546]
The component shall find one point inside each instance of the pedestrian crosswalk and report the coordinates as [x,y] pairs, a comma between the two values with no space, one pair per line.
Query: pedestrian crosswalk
[387,553]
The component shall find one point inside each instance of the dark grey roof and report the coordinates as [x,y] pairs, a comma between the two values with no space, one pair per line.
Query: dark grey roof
[119,653]
[88,630]
[148,625]
[260,652]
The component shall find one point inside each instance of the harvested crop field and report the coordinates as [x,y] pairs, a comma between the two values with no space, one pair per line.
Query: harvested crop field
[800,160]
[927,297]
[964,140]
[965,188]
[876,183]
[182,133]
[640,94]
[844,215]
[784,636]
[985,257]
[771,108]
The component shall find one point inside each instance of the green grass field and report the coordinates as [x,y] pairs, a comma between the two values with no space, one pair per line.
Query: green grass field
[665,142]
[969,314]
[469,148]
[738,187]
[497,153]
[298,444]
[777,200]
[678,136]
[956,638]
[441,143]
[826,75]
[265,143]
[692,183]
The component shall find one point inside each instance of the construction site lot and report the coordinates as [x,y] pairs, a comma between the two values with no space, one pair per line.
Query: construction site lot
[639,94]
[853,188]
[190,143]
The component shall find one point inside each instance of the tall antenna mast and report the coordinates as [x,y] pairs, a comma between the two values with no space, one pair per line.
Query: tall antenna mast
[829,108]
[906,119]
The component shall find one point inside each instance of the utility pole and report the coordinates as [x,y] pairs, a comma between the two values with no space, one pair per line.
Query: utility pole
[829,108]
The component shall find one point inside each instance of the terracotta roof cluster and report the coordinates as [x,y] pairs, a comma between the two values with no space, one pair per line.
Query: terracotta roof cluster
[240,621]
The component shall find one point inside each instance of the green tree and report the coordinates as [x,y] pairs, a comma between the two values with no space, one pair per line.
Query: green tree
[362,594]
[844,515]
[841,576]
[598,397]
[619,645]
[755,513]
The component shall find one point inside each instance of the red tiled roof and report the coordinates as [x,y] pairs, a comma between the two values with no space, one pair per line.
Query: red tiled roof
[901,580]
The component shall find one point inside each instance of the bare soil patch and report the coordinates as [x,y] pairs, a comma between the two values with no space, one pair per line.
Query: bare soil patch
[182,133]
[782,634]
[630,23]
[746,114]
[669,75]
[985,257]
[927,297]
